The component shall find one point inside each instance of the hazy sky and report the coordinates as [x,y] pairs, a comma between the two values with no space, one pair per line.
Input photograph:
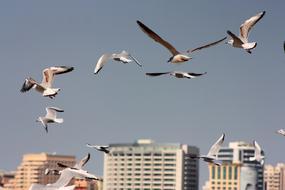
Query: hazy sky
[242,94]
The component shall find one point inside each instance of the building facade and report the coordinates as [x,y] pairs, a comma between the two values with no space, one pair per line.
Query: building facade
[151,166]
[236,171]
[274,177]
[32,169]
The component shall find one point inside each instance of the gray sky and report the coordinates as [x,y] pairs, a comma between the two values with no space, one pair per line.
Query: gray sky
[242,95]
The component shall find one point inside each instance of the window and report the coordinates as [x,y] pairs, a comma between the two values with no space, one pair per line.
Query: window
[236,172]
[213,172]
[230,172]
[219,172]
[224,172]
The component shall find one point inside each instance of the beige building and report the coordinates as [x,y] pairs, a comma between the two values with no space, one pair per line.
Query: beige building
[274,177]
[83,184]
[151,166]
[32,168]
[236,170]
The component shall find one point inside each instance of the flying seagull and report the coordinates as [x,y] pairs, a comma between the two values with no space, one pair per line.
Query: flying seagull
[281,132]
[123,57]
[177,57]
[50,117]
[257,154]
[101,148]
[77,168]
[212,157]
[66,175]
[241,41]
[45,87]
[178,74]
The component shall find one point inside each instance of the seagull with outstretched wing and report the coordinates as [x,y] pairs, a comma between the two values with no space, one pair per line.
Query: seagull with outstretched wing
[45,87]
[177,57]
[212,156]
[178,74]
[241,41]
[50,117]
[123,57]
[102,148]
[257,154]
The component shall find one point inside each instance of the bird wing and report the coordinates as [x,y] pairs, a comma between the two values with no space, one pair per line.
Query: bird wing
[216,146]
[157,38]
[196,74]
[62,165]
[28,84]
[257,150]
[236,39]
[206,46]
[64,179]
[101,62]
[48,77]
[48,74]
[38,187]
[284,46]
[248,24]
[83,161]
[156,74]
[135,60]
[51,112]
[57,70]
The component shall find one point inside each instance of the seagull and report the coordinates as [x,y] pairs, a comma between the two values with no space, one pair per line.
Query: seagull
[66,175]
[45,87]
[123,57]
[257,154]
[281,132]
[178,74]
[177,57]
[50,117]
[78,171]
[212,157]
[101,148]
[241,41]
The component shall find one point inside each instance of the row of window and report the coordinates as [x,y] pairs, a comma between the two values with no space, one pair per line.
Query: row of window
[231,172]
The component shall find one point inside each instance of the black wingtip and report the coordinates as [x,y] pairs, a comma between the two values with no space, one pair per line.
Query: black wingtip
[229,32]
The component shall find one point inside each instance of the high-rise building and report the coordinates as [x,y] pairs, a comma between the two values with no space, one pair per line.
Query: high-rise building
[236,170]
[32,168]
[151,166]
[274,177]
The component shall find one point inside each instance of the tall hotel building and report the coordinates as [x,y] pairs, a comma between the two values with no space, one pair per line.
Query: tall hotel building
[32,168]
[274,177]
[236,170]
[145,165]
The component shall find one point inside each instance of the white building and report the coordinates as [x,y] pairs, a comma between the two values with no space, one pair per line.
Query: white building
[236,170]
[145,165]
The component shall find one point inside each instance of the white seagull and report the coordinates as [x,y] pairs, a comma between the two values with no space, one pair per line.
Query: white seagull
[177,57]
[50,117]
[257,154]
[212,155]
[45,87]
[241,41]
[66,175]
[281,132]
[178,74]
[123,57]
[102,148]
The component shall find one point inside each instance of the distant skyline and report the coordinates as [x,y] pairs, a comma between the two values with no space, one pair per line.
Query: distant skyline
[241,95]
